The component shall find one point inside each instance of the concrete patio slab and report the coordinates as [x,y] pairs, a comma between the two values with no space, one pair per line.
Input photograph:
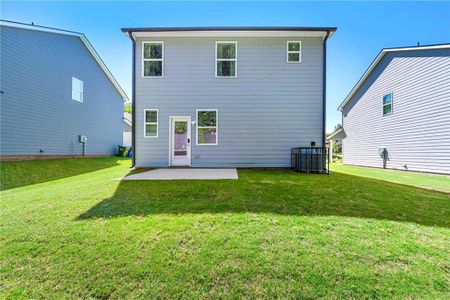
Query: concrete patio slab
[183,174]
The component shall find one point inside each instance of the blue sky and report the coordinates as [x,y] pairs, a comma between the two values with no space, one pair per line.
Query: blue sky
[363,28]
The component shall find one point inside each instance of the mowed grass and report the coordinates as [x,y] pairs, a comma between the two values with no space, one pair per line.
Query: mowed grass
[270,234]
[423,180]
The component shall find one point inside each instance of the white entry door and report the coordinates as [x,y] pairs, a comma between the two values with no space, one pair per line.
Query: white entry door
[180,140]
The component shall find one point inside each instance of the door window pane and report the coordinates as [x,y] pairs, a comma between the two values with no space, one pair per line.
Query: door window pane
[180,153]
[181,137]
[180,127]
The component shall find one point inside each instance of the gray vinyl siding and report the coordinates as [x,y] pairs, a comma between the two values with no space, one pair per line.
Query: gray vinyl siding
[417,133]
[37,110]
[269,108]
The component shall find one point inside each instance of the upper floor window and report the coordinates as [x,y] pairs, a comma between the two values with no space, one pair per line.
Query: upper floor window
[226,59]
[294,51]
[77,89]
[151,123]
[207,127]
[152,59]
[387,104]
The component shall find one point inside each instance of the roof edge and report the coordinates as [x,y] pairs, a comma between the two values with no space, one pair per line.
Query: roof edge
[83,39]
[378,58]
[126,121]
[334,133]
[226,28]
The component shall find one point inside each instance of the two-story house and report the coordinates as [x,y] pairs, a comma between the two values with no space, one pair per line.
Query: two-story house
[54,89]
[227,96]
[398,114]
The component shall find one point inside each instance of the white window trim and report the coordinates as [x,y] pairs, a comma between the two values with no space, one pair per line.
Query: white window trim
[291,51]
[145,123]
[227,59]
[82,90]
[216,127]
[152,59]
[392,104]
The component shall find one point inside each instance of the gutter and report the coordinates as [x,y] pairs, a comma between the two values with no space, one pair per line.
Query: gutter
[133,100]
[324,96]
[329,30]
[324,88]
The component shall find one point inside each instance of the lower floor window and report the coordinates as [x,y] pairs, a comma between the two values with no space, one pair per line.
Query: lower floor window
[207,127]
[151,123]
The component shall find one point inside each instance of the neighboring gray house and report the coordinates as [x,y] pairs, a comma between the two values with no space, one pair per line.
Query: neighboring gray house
[227,97]
[401,104]
[127,121]
[54,88]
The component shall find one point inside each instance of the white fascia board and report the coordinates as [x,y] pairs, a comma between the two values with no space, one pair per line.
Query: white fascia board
[85,42]
[126,121]
[104,67]
[331,136]
[443,46]
[230,34]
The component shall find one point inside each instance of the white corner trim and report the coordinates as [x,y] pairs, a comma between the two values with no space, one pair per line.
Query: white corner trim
[85,41]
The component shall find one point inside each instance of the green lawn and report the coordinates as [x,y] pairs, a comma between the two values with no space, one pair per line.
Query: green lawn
[422,180]
[270,234]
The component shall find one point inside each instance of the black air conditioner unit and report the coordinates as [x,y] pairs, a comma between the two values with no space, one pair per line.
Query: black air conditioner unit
[310,160]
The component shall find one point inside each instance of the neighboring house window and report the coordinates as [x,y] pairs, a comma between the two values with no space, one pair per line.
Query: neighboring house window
[152,59]
[226,59]
[207,127]
[77,89]
[294,51]
[151,123]
[387,104]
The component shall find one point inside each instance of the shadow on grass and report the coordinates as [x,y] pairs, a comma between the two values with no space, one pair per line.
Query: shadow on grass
[278,192]
[15,174]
